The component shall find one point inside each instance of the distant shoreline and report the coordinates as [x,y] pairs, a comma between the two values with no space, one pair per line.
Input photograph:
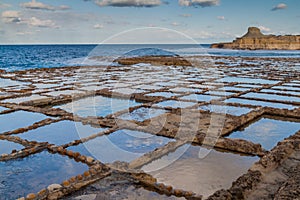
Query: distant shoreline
[255,40]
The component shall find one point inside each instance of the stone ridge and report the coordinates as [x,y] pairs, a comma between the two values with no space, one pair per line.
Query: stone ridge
[255,40]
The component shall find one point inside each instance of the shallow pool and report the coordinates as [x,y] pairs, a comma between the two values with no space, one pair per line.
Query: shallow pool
[8,82]
[98,106]
[175,104]
[276,97]
[24,99]
[6,147]
[60,133]
[162,94]
[260,103]
[232,110]
[231,79]
[142,114]
[123,145]
[267,131]
[19,119]
[200,97]
[31,174]
[200,170]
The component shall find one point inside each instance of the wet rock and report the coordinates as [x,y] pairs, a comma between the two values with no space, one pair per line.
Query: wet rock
[31,196]
[221,195]
[55,195]
[240,145]
[42,193]
[246,182]
[89,160]
[86,174]
[54,187]
[66,183]
[87,197]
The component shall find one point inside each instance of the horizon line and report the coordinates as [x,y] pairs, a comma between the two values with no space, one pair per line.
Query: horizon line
[3,44]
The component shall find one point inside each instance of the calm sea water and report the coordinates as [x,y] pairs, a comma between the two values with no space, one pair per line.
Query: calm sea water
[22,57]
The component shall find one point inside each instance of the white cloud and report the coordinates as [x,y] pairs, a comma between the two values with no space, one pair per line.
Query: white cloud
[63,7]
[129,3]
[33,21]
[41,6]
[24,33]
[264,29]
[37,5]
[201,3]
[11,16]
[185,15]
[280,6]
[98,26]
[184,2]
[4,5]
[221,18]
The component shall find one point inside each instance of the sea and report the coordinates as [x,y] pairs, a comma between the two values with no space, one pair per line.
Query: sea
[23,57]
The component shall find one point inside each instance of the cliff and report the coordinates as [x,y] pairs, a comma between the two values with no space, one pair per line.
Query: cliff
[254,40]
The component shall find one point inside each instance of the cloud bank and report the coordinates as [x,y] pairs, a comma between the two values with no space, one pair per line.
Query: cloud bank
[201,3]
[41,6]
[11,16]
[280,6]
[129,3]
[14,17]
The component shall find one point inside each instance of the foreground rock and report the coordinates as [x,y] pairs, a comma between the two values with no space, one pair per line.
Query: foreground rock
[254,40]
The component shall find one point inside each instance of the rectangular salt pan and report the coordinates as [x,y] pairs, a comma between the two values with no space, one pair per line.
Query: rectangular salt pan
[248,86]
[232,110]
[24,99]
[183,89]
[7,83]
[36,172]
[63,92]
[281,91]
[286,88]
[247,80]
[260,103]
[219,93]
[60,133]
[162,94]
[19,119]
[128,91]
[175,104]
[267,131]
[98,106]
[142,114]
[43,86]
[271,97]
[238,89]
[147,87]
[123,145]
[198,169]
[200,97]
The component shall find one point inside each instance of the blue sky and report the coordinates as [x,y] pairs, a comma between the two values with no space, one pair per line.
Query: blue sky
[181,21]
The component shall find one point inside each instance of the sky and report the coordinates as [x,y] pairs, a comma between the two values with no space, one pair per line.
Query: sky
[142,21]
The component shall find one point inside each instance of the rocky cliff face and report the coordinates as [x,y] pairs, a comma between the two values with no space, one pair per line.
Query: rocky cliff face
[254,40]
